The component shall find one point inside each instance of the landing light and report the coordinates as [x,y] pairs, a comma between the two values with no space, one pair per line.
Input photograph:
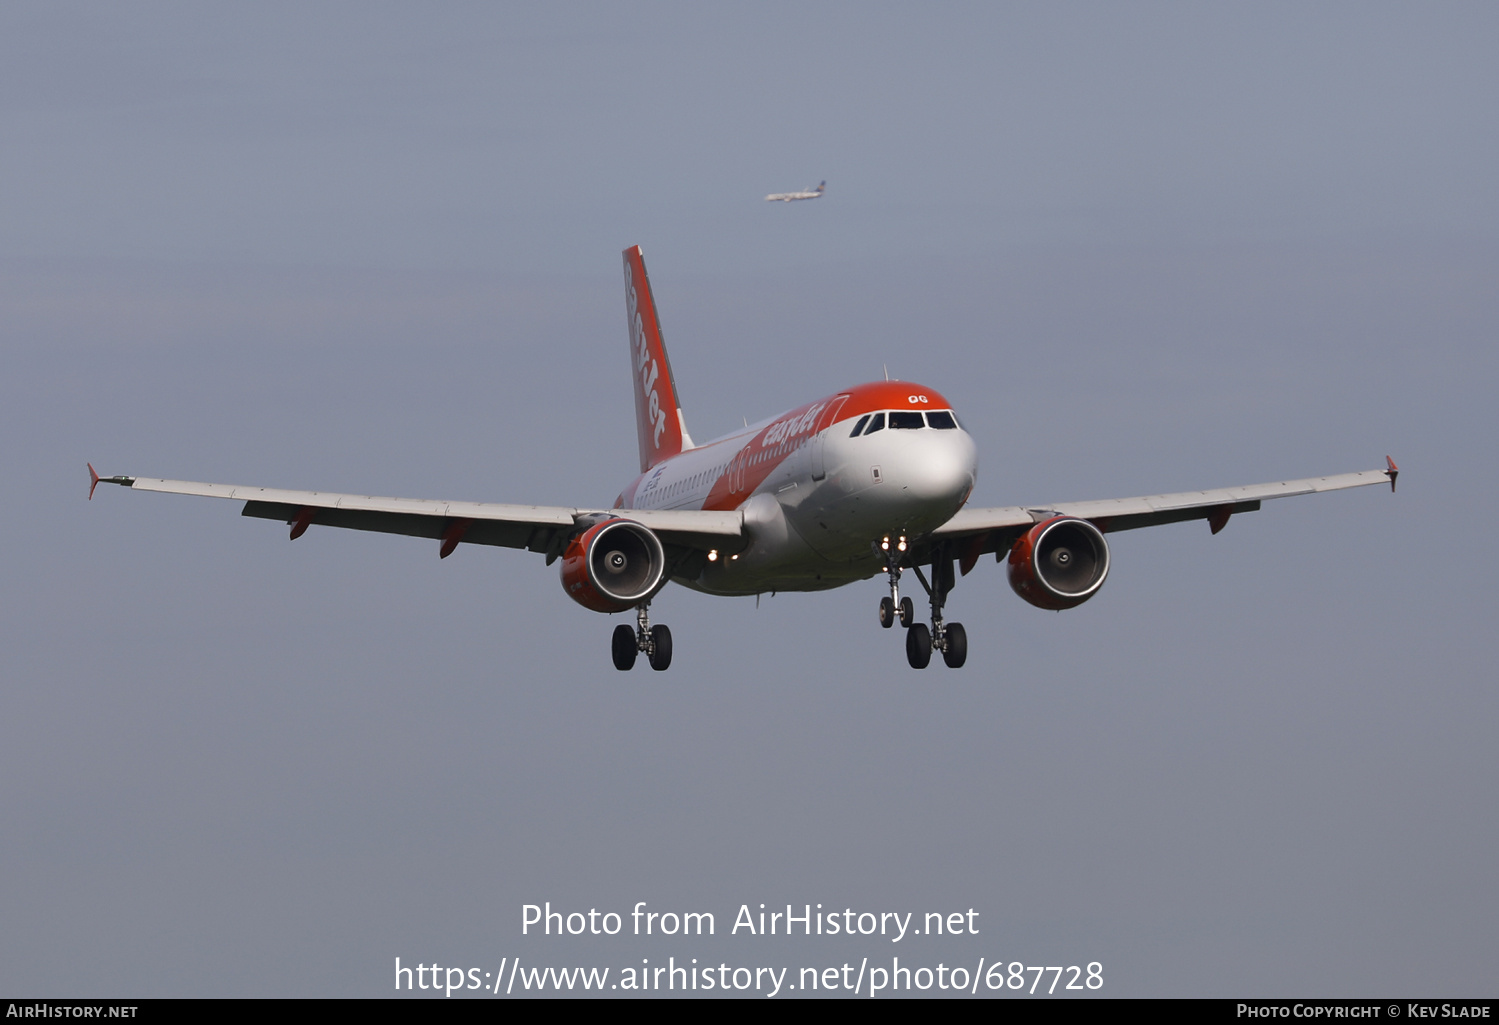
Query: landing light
[885,544]
[713,555]
[901,546]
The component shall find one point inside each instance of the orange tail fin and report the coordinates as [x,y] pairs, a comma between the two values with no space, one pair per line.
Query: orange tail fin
[658,413]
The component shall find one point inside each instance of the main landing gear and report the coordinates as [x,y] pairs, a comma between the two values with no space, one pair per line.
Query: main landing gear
[949,638]
[655,641]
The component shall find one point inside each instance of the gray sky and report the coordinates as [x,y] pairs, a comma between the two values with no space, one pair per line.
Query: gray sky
[376,248]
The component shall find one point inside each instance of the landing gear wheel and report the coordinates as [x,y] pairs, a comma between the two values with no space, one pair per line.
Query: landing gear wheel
[660,647]
[907,612]
[919,646]
[887,612]
[625,648]
[956,652]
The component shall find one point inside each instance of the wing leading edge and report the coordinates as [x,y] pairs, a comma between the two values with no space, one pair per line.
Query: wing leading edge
[536,528]
[978,532]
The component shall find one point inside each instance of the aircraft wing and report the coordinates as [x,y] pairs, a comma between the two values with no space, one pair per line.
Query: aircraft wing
[976,532]
[536,528]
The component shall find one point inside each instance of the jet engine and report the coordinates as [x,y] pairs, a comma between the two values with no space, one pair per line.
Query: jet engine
[613,566]
[1059,563]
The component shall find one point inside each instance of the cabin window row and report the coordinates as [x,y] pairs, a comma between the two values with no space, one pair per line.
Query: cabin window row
[697,480]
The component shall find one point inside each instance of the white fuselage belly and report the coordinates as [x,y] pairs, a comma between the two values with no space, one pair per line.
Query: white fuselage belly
[811,532]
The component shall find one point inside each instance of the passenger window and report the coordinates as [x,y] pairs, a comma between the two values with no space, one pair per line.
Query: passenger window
[942,420]
[877,424]
[904,420]
[859,427]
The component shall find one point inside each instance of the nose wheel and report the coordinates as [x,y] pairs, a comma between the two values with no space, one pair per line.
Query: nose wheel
[654,641]
[890,611]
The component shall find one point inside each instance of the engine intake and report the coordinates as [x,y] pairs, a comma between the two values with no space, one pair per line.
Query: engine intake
[613,566]
[1059,563]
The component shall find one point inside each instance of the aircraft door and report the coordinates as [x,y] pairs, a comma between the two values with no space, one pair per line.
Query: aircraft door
[818,444]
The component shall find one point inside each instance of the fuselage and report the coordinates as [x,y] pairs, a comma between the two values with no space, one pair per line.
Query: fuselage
[787,197]
[820,485]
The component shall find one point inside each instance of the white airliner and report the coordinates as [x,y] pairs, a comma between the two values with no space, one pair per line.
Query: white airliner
[869,481]
[787,197]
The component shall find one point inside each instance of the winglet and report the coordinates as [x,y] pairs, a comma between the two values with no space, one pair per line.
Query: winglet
[94,480]
[1392,472]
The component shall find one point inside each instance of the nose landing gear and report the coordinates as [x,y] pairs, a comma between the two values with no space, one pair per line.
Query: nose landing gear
[655,641]
[894,606]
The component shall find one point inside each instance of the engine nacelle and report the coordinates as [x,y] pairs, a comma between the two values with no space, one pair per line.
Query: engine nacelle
[613,566]
[1059,563]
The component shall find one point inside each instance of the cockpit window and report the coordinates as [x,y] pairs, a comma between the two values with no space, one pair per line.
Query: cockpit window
[877,424]
[942,420]
[904,420]
[859,427]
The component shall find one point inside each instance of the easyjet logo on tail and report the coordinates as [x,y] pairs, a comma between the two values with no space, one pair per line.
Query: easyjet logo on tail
[646,365]
[658,419]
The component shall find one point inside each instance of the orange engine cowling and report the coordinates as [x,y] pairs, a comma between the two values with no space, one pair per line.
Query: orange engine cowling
[613,566]
[1059,563]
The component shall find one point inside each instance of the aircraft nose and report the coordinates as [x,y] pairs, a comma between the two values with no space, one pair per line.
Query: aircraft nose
[940,469]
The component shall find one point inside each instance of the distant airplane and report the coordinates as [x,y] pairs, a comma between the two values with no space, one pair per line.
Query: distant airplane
[786,197]
[870,481]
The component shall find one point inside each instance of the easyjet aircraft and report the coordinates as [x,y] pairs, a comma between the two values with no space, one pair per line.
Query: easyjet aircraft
[787,197]
[869,481]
